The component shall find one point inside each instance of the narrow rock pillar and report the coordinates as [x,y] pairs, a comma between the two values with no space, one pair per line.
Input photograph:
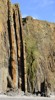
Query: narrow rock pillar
[25,69]
[13,51]
[23,56]
[18,42]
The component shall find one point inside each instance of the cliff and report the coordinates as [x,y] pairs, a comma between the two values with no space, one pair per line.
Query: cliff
[27,52]
[40,54]
[12,69]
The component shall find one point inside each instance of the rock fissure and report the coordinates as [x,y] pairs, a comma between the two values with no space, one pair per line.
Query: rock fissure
[15,67]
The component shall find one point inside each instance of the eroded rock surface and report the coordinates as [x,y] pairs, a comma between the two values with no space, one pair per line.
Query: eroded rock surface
[11,47]
[27,52]
[40,54]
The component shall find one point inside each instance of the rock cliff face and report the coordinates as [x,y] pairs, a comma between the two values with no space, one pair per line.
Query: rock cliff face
[12,69]
[26,59]
[40,54]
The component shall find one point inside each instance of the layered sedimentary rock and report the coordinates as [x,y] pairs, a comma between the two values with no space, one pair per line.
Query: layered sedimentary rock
[12,73]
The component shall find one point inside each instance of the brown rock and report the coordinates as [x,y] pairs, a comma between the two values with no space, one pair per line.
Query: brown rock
[40,41]
[11,47]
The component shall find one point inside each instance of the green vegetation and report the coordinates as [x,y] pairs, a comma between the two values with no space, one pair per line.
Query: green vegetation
[31,56]
[32,53]
[40,41]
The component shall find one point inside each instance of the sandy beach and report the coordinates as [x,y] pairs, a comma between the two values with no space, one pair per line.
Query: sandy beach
[19,97]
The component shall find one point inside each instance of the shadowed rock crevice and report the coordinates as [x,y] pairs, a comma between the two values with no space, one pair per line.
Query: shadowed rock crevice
[9,31]
[16,60]
[22,54]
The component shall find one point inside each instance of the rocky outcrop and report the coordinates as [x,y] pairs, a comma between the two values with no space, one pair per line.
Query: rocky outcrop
[27,61]
[4,45]
[40,54]
[11,47]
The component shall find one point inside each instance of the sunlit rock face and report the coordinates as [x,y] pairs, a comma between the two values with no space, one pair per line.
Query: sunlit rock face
[11,47]
[27,52]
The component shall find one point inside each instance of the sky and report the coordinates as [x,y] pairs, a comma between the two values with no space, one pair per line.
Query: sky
[38,9]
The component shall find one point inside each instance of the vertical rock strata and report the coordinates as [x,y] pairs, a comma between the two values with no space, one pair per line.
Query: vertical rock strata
[18,41]
[39,37]
[13,51]
[12,73]
[25,70]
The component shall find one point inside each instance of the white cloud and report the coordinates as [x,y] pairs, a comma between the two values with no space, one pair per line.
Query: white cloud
[34,16]
[25,15]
